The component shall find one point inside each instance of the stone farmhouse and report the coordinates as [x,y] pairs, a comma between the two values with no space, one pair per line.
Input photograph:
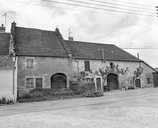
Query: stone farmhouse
[43,59]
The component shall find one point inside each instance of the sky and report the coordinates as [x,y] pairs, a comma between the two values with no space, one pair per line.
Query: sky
[122,29]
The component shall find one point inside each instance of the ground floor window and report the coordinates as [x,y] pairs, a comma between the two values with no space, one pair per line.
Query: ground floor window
[149,81]
[34,82]
[39,82]
[29,83]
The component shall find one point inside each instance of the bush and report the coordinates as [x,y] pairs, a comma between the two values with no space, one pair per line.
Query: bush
[94,94]
[5,100]
[46,93]
[86,89]
[82,87]
[76,87]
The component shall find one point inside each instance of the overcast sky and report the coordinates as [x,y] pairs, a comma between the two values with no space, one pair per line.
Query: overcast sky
[122,29]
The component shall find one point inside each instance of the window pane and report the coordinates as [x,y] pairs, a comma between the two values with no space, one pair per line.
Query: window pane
[38,82]
[87,65]
[29,83]
[148,80]
[29,63]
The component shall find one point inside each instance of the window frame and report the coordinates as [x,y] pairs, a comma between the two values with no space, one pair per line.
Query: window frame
[149,80]
[38,78]
[34,81]
[87,68]
[29,62]
[26,83]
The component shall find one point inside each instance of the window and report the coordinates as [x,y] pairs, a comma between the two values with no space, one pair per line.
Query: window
[148,80]
[87,65]
[29,83]
[38,82]
[29,63]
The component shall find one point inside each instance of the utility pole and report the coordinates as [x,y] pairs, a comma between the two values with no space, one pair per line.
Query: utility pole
[70,37]
[139,60]
[5,18]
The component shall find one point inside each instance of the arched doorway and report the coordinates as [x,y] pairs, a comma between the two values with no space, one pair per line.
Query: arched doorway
[112,81]
[58,81]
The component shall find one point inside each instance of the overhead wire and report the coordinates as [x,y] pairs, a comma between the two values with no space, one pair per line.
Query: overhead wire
[124,5]
[132,3]
[109,5]
[111,9]
[141,48]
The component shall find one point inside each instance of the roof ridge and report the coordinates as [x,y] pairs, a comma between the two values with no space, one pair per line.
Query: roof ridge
[31,28]
[87,42]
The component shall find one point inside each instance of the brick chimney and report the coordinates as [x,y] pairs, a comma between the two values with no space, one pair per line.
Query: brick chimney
[2,28]
[70,38]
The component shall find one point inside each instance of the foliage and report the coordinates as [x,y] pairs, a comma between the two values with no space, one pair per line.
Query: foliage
[112,69]
[44,94]
[94,94]
[5,100]
[138,72]
[86,89]
[81,87]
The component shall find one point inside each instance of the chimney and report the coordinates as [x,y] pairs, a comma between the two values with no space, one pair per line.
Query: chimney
[70,38]
[2,28]
[58,33]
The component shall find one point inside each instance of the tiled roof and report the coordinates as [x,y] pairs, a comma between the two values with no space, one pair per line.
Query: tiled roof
[86,50]
[35,42]
[4,43]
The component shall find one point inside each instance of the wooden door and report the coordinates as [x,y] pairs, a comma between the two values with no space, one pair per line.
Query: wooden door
[138,83]
[98,82]
[112,81]
[38,82]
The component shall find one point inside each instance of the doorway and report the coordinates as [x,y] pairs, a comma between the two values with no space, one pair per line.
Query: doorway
[112,81]
[58,81]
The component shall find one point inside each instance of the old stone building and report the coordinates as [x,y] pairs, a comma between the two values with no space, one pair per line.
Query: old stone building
[43,59]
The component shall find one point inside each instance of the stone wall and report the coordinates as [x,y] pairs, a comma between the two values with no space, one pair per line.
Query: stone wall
[147,74]
[126,78]
[43,67]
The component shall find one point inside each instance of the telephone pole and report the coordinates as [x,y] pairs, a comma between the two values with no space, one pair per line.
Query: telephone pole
[5,18]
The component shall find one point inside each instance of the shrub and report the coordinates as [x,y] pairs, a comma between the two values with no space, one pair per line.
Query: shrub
[93,93]
[5,100]
[76,87]
[86,89]
[46,93]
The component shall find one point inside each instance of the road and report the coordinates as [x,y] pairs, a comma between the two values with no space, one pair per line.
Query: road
[117,109]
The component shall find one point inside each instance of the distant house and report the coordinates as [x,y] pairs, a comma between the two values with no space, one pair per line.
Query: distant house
[43,59]
[7,84]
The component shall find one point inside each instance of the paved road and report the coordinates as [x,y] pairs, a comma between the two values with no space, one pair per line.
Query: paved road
[117,109]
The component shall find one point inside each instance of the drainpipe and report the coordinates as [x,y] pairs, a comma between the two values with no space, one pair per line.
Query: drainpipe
[14,62]
[139,68]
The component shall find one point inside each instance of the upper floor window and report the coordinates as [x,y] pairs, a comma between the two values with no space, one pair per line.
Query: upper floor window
[87,65]
[29,63]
